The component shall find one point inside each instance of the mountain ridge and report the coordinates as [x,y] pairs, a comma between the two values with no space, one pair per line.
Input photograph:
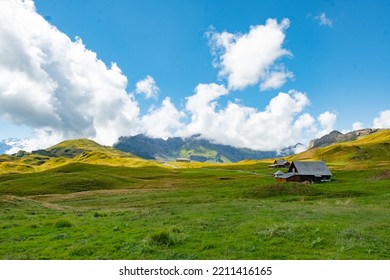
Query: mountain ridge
[371,148]
[336,136]
[194,148]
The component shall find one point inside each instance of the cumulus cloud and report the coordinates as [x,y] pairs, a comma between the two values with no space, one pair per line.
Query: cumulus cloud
[281,123]
[51,83]
[247,59]
[147,87]
[43,138]
[324,20]
[383,120]
[164,121]
[357,126]
[61,89]
[327,121]
[304,121]
[275,80]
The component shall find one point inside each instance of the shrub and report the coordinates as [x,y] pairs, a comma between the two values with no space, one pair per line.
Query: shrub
[97,215]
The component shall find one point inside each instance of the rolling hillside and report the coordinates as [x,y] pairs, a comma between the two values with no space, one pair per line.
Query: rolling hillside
[367,150]
[87,203]
[71,151]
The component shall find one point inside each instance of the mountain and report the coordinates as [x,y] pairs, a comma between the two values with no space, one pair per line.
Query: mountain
[194,148]
[336,136]
[369,148]
[366,149]
[66,152]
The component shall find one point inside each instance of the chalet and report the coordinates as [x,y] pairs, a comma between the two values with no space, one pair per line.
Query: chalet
[310,171]
[280,163]
[183,160]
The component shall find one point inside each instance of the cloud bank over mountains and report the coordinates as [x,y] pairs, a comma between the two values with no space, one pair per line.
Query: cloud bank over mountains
[63,90]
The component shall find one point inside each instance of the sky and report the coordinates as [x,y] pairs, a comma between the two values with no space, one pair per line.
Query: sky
[258,74]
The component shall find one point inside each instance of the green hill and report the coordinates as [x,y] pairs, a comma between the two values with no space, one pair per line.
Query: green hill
[88,202]
[66,152]
[367,150]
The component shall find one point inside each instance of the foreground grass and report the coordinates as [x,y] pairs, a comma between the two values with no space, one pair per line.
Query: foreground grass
[82,211]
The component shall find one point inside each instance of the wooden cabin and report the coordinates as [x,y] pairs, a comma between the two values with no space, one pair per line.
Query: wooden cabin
[302,171]
[280,163]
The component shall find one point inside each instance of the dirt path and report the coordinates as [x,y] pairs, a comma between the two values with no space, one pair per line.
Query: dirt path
[170,165]
[44,204]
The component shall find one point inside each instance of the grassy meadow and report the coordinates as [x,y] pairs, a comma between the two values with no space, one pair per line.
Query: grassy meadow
[81,210]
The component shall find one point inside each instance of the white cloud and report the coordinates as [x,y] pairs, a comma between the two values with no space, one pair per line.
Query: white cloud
[164,121]
[203,97]
[62,90]
[327,121]
[324,20]
[279,125]
[383,120]
[357,126]
[300,149]
[51,83]
[275,80]
[43,138]
[202,106]
[148,87]
[247,59]
[304,121]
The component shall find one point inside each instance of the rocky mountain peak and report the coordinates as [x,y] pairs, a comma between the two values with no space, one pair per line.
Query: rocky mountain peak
[336,136]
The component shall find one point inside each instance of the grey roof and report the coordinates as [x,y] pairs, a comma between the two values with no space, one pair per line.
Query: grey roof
[317,168]
[278,172]
[286,175]
[280,161]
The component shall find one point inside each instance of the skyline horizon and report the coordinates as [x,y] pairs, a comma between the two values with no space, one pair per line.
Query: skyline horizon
[10,145]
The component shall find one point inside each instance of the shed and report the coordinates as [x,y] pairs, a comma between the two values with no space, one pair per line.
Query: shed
[278,173]
[301,171]
[280,163]
[183,160]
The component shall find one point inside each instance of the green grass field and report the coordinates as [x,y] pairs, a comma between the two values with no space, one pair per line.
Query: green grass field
[81,210]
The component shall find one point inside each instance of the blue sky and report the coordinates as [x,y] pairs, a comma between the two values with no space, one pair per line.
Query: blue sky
[338,58]
[345,67]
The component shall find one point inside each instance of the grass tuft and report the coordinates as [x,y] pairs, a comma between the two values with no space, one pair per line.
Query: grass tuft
[62,224]
[162,237]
